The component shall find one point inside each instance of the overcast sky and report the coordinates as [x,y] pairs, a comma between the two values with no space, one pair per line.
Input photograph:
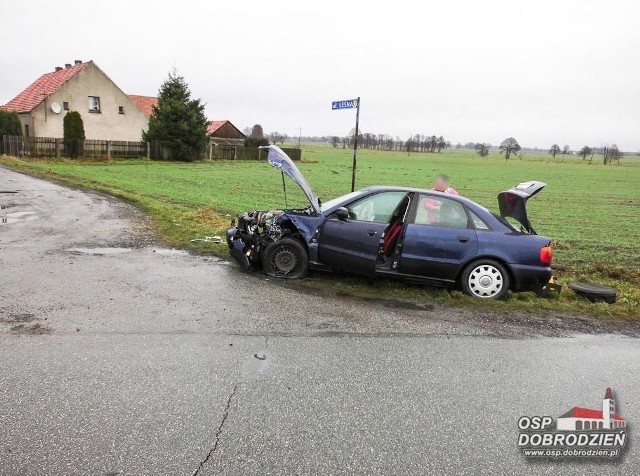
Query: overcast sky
[544,72]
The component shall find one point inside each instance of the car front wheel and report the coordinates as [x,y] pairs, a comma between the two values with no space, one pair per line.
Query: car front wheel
[285,258]
[485,279]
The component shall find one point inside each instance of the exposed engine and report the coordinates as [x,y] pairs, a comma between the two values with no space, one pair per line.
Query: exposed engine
[254,231]
[258,229]
[261,223]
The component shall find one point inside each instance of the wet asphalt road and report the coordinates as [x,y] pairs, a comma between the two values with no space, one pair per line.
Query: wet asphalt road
[121,357]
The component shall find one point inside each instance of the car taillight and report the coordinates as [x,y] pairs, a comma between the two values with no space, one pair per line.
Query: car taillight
[546,255]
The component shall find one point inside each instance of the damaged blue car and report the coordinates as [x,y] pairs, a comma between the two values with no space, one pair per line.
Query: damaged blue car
[397,232]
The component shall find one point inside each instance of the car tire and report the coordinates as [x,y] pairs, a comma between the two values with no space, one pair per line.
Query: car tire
[285,258]
[485,279]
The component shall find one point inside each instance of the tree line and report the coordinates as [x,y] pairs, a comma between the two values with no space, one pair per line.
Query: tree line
[609,153]
[415,143]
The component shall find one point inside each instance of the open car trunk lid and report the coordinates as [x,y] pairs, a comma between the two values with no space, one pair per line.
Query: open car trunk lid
[279,159]
[513,202]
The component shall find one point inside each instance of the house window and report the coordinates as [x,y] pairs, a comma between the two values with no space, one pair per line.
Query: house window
[26,130]
[65,106]
[94,104]
[120,109]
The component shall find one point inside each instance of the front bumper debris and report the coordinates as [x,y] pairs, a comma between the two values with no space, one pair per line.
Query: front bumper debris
[237,247]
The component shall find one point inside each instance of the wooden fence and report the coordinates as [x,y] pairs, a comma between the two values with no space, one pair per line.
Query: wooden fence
[235,152]
[50,147]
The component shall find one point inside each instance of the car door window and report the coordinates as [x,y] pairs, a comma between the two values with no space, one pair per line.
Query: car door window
[441,211]
[376,208]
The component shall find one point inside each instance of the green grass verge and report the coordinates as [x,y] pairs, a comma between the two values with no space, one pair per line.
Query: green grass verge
[589,210]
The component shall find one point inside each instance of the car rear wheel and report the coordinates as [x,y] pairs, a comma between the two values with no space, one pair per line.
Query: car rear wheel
[285,258]
[485,279]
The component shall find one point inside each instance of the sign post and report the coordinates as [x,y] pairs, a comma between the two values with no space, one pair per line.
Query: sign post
[351,104]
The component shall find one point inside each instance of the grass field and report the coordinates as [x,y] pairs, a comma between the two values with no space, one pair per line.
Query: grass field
[591,211]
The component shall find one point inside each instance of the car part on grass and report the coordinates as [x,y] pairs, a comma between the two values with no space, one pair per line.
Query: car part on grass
[551,288]
[208,239]
[595,292]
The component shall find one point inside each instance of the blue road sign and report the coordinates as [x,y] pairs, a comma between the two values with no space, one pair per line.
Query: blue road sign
[346,104]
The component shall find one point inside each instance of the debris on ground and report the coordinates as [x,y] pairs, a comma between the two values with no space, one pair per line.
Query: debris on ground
[208,239]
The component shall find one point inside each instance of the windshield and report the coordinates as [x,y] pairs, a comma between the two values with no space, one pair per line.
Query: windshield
[328,205]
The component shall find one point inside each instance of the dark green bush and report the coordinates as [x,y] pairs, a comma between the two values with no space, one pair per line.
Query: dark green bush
[73,133]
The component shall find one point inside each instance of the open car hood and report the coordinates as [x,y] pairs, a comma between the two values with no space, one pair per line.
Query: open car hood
[513,202]
[278,159]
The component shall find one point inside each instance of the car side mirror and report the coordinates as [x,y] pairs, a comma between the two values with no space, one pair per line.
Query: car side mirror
[342,213]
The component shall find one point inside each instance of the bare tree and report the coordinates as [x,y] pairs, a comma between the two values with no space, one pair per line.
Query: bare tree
[410,145]
[276,137]
[605,154]
[482,149]
[554,150]
[615,154]
[565,150]
[586,150]
[509,146]
[334,141]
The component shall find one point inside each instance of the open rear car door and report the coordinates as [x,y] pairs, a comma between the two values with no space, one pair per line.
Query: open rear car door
[513,202]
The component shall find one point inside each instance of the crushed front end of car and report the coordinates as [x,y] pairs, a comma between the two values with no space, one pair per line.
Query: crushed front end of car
[252,232]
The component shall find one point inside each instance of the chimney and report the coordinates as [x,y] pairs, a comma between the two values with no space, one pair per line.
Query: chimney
[78,61]
[59,68]
[67,65]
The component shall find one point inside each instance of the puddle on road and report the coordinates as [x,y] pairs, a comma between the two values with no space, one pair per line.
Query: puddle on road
[99,251]
[170,252]
[18,216]
[118,250]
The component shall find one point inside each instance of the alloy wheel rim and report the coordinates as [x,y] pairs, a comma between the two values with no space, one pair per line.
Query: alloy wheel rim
[485,281]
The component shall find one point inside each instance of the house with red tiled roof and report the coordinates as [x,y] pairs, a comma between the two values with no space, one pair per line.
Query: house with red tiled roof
[107,112]
[580,418]
[144,103]
[225,133]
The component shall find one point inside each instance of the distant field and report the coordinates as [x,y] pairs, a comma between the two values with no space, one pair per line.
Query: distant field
[591,211]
